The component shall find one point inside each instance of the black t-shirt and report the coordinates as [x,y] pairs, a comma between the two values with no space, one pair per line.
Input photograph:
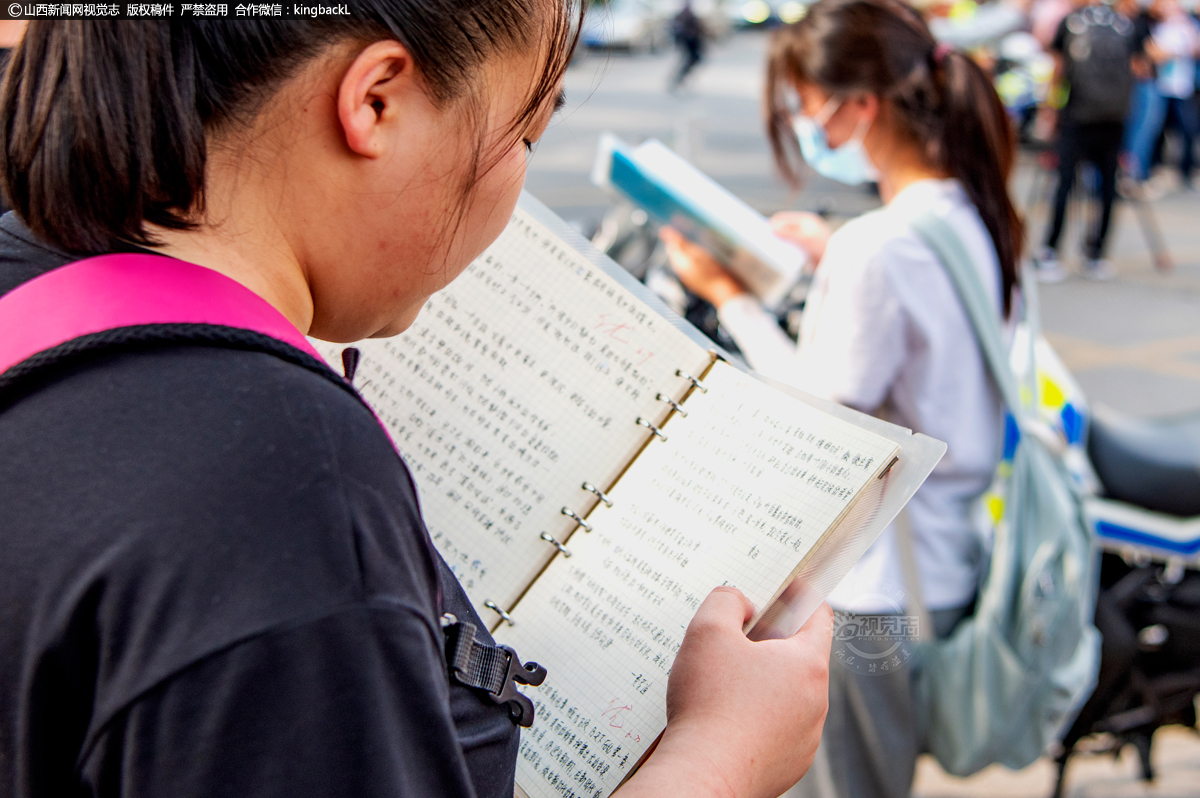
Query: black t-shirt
[1137,34]
[216,582]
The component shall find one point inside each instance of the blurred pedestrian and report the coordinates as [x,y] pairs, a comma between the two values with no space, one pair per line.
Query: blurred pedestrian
[1174,45]
[689,33]
[217,580]
[1094,51]
[859,90]
[1146,108]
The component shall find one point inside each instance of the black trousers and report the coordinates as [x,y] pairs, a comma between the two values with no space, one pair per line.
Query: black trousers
[1098,143]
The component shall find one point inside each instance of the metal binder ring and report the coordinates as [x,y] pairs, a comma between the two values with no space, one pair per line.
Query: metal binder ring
[546,536]
[662,397]
[491,605]
[603,496]
[691,379]
[651,427]
[569,513]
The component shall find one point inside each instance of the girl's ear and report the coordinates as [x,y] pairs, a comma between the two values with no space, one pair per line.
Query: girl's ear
[867,105]
[370,94]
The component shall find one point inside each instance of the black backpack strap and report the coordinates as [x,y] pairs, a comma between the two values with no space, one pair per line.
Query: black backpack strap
[494,669]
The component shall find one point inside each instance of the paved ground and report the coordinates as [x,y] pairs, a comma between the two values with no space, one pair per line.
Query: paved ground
[1134,343]
[1176,756]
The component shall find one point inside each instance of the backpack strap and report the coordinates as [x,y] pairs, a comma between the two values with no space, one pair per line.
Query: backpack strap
[940,237]
[495,670]
[138,301]
[129,290]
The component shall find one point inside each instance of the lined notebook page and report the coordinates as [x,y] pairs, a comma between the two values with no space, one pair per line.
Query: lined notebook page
[516,384]
[742,489]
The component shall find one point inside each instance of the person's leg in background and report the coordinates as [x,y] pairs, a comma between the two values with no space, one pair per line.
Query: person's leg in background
[691,53]
[1046,263]
[1195,100]
[1180,117]
[1102,147]
[1185,112]
[1145,113]
[1158,159]
[1147,128]
[870,743]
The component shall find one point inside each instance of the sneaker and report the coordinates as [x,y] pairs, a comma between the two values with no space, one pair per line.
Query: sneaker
[1157,186]
[1098,269]
[1047,267]
[1131,188]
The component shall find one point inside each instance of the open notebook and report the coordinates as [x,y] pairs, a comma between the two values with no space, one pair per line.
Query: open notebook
[590,469]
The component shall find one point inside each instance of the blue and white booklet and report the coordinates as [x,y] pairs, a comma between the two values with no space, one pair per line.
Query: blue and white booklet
[675,192]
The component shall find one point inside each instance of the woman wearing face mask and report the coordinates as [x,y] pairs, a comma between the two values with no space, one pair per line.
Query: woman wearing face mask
[883,329]
[216,577]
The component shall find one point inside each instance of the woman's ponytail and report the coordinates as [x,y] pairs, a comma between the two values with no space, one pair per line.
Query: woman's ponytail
[940,99]
[977,146]
[101,133]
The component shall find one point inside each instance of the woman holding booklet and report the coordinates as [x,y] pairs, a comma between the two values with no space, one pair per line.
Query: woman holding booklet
[860,90]
[217,581]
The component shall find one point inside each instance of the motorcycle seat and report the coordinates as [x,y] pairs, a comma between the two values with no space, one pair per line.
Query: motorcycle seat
[1151,463]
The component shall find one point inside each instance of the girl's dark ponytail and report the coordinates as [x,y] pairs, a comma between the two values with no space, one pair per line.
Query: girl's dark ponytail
[103,124]
[101,133]
[977,146]
[940,99]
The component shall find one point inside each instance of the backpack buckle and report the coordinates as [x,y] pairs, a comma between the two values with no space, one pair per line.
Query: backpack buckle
[497,670]
[520,708]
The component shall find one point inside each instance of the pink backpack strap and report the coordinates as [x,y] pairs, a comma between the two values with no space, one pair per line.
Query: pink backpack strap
[112,292]
[129,290]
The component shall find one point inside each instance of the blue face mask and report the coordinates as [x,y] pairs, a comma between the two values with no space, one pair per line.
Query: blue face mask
[847,164]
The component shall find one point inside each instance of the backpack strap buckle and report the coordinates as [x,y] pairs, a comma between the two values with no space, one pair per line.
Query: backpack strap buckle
[494,669]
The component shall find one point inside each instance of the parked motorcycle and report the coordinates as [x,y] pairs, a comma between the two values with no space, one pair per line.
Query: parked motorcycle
[1147,523]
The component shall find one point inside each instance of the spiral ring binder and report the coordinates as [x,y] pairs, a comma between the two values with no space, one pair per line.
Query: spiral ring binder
[662,397]
[691,379]
[569,513]
[603,496]
[546,536]
[651,427]
[494,607]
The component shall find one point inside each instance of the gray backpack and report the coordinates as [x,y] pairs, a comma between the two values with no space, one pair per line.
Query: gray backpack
[1097,50]
[1011,677]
